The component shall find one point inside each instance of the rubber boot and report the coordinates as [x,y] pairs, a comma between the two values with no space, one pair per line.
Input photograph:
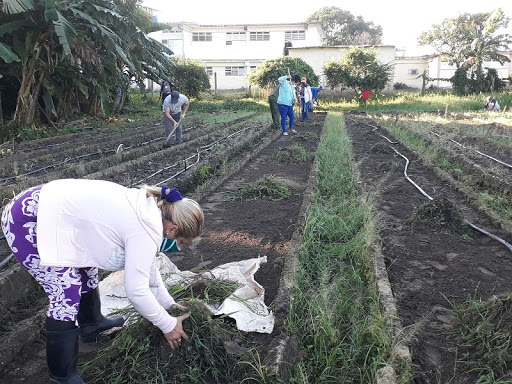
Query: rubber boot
[90,319]
[62,352]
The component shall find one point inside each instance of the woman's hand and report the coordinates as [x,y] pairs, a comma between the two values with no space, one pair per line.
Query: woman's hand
[177,334]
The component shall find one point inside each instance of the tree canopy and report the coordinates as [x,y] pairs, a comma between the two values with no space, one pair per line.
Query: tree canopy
[189,77]
[266,75]
[358,70]
[343,28]
[468,40]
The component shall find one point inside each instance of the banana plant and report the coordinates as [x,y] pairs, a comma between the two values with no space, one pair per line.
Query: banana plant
[71,54]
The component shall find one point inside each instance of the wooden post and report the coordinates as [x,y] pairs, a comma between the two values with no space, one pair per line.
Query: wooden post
[215,81]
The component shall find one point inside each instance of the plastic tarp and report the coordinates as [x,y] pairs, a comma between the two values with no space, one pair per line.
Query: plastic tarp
[246,305]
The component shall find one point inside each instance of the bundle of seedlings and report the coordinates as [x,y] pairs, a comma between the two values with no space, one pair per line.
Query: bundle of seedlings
[439,214]
[268,187]
[216,351]
[294,154]
[482,331]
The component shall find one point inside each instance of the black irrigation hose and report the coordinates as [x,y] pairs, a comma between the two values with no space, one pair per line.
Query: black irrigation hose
[55,165]
[492,236]
[200,150]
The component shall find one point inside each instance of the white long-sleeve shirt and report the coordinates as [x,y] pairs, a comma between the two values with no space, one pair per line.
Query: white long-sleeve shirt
[94,223]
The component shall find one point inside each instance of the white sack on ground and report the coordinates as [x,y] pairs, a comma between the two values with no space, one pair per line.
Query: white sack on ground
[246,305]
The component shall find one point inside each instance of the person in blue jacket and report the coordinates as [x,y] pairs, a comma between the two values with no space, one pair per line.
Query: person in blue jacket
[287,97]
[315,91]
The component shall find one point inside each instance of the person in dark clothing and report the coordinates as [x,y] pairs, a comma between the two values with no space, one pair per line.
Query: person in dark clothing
[165,89]
[274,109]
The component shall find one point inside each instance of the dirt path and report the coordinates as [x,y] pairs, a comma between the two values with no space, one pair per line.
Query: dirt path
[427,264]
[234,230]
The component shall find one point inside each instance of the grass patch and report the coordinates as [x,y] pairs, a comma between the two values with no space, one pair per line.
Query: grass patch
[335,308]
[294,154]
[483,330]
[268,187]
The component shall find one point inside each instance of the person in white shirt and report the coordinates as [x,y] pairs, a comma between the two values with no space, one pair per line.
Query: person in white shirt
[173,116]
[62,232]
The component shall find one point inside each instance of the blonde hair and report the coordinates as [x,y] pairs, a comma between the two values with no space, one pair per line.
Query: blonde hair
[185,213]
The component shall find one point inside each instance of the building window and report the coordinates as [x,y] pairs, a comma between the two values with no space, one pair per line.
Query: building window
[165,41]
[209,71]
[235,36]
[235,71]
[413,71]
[202,36]
[295,35]
[259,36]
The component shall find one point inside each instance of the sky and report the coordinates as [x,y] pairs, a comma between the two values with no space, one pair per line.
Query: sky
[402,21]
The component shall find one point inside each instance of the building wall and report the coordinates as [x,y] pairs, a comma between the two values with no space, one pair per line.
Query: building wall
[225,49]
[408,70]
[318,56]
[443,70]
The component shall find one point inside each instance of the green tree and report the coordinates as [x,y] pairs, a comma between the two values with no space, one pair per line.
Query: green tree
[358,70]
[189,77]
[468,40]
[266,74]
[73,55]
[343,28]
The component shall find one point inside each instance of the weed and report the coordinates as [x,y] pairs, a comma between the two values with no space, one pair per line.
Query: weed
[305,136]
[213,353]
[268,187]
[381,148]
[294,154]
[441,213]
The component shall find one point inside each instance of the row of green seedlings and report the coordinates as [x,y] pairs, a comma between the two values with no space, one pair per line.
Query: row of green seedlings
[490,193]
[335,311]
[216,352]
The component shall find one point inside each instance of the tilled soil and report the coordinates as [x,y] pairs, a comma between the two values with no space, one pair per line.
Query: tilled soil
[429,263]
[234,230]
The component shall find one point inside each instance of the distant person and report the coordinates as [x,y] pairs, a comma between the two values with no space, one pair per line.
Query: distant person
[274,109]
[173,116]
[491,104]
[314,93]
[165,89]
[287,98]
[306,98]
[364,97]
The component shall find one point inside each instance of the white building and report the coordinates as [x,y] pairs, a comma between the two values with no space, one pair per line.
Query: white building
[231,52]
[408,70]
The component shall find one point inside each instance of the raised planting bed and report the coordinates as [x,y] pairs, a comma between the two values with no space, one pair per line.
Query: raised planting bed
[434,259]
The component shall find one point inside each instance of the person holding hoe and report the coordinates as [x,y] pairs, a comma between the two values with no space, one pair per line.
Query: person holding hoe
[62,232]
[172,116]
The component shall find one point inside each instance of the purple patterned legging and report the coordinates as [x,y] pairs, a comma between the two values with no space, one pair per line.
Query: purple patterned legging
[63,285]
